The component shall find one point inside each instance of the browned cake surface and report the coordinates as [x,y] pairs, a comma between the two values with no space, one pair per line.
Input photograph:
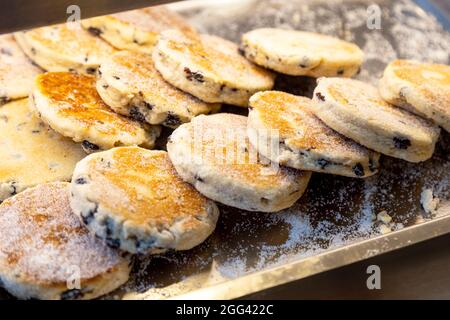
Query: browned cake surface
[363,99]
[154,19]
[221,141]
[432,80]
[75,98]
[31,152]
[73,42]
[142,187]
[218,57]
[141,77]
[41,240]
[296,124]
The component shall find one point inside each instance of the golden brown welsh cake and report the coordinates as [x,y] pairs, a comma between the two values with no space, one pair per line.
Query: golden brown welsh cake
[64,47]
[16,70]
[46,252]
[421,88]
[70,104]
[356,110]
[129,83]
[209,68]
[31,152]
[136,30]
[303,140]
[213,154]
[134,200]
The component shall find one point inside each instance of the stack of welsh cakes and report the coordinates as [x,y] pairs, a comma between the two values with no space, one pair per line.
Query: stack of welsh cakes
[87,180]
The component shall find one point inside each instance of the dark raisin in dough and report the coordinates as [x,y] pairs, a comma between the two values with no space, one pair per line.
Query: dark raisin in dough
[14,188]
[142,245]
[323,163]
[198,178]
[113,243]
[172,120]
[109,225]
[135,114]
[401,143]
[190,75]
[320,96]
[4,99]
[89,146]
[80,181]
[358,170]
[87,219]
[91,70]
[72,294]
[148,105]
[6,52]
[95,31]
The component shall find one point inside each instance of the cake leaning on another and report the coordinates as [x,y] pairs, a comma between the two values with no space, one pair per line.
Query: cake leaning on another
[133,199]
[129,83]
[356,110]
[209,68]
[136,30]
[302,140]
[64,47]
[17,72]
[421,88]
[70,104]
[214,155]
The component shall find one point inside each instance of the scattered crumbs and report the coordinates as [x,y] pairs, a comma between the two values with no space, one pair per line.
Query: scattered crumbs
[428,202]
[384,217]
[384,229]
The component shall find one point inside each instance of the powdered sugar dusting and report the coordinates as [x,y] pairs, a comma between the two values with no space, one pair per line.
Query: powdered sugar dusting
[42,240]
[407,32]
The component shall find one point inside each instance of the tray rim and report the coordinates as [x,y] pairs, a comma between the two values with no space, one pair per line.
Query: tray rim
[325,261]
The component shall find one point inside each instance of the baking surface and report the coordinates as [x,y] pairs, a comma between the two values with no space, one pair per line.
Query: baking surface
[335,211]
